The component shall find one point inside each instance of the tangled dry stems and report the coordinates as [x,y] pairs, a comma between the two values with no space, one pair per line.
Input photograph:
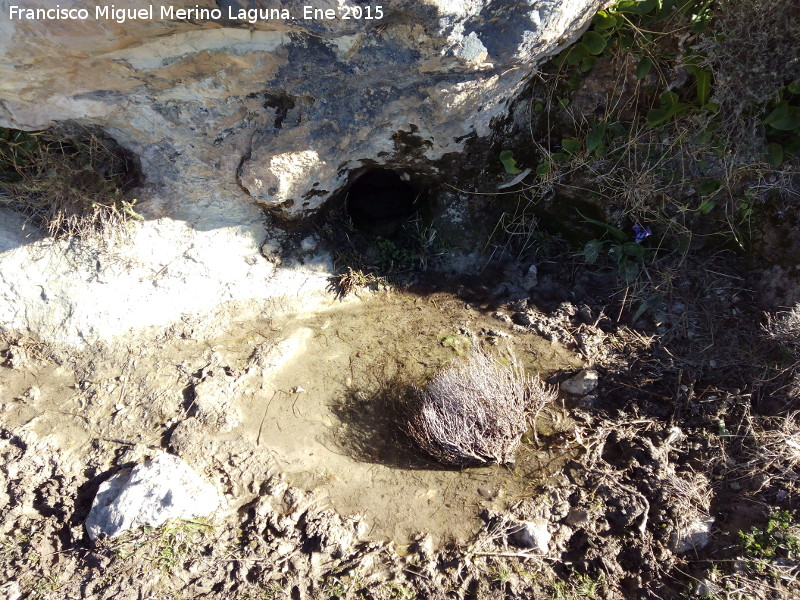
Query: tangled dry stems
[68,189]
[773,455]
[475,412]
[785,328]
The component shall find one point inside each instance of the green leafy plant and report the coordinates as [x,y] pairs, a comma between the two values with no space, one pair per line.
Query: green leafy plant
[779,539]
[509,162]
[782,122]
[622,251]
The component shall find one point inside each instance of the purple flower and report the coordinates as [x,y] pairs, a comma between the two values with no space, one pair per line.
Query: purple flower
[642,233]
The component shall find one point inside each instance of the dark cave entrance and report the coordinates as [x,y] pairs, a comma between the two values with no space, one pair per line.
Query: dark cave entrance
[380,201]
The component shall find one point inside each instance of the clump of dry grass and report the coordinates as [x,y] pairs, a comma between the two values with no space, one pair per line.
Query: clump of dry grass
[351,280]
[785,328]
[773,456]
[475,412]
[68,188]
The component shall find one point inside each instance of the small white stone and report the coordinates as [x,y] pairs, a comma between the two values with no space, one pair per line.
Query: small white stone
[33,394]
[674,435]
[531,278]
[284,548]
[694,535]
[150,494]
[581,384]
[309,243]
[531,535]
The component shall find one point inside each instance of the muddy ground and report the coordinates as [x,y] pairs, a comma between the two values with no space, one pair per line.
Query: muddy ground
[677,477]
[291,420]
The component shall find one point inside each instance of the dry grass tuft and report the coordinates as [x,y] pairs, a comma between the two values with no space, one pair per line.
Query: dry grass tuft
[754,51]
[352,280]
[773,456]
[475,412]
[68,188]
[785,328]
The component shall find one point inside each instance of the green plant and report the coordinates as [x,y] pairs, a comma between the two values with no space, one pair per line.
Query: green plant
[500,574]
[780,538]
[165,547]
[579,585]
[401,591]
[627,254]
[782,120]
[46,586]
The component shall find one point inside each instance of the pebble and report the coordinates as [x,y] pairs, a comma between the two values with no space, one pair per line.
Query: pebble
[577,516]
[531,535]
[581,384]
[486,493]
[531,278]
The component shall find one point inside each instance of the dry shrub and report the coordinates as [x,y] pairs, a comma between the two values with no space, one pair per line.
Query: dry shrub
[773,457]
[785,329]
[66,187]
[753,51]
[475,412]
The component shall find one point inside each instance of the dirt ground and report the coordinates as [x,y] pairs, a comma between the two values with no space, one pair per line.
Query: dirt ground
[291,420]
[677,477]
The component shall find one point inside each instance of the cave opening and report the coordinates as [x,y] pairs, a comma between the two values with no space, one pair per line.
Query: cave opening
[380,201]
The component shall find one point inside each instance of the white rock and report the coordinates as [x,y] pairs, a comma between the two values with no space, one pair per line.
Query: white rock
[10,590]
[150,494]
[310,243]
[694,535]
[531,278]
[581,384]
[531,535]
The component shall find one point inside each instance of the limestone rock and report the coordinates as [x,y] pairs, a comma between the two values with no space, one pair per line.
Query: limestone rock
[226,116]
[531,535]
[581,384]
[150,494]
[310,99]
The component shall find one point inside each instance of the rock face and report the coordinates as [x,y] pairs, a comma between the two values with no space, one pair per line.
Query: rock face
[151,494]
[312,99]
[226,113]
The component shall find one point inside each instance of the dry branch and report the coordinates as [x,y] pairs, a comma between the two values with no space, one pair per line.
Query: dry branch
[475,412]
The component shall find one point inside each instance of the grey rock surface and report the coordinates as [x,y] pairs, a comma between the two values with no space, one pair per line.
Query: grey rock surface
[581,384]
[150,494]
[291,105]
[531,535]
[227,117]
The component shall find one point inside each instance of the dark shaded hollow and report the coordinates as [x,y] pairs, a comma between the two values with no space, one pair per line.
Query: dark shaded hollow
[380,202]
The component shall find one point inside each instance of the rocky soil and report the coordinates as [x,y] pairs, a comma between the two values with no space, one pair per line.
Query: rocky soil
[619,488]
[261,323]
